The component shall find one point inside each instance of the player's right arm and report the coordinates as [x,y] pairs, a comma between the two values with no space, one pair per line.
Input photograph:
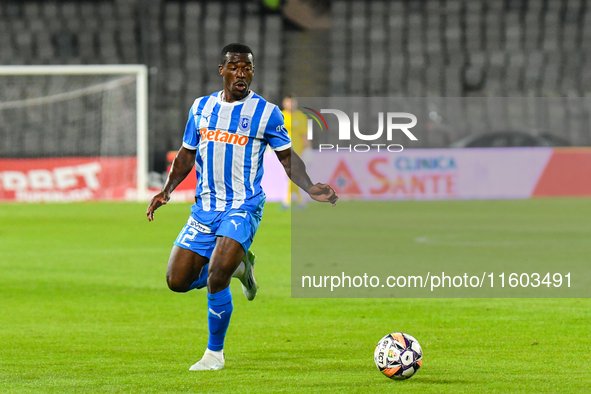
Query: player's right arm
[181,167]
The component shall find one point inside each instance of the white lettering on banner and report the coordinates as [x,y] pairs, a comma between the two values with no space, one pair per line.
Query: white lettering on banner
[54,195]
[345,125]
[59,178]
[395,148]
[402,127]
[14,180]
[88,172]
[398,148]
[40,179]
[375,136]
[65,178]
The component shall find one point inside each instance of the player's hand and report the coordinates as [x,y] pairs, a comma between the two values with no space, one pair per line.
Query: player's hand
[157,201]
[323,192]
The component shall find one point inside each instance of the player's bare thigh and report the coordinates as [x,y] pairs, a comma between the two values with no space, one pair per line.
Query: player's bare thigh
[224,260]
[184,267]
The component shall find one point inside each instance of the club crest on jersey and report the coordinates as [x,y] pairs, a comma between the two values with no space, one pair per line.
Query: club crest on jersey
[244,124]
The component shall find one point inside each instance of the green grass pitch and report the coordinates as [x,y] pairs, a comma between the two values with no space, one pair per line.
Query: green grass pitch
[84,308]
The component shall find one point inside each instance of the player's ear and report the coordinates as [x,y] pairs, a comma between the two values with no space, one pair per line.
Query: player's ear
[221,69]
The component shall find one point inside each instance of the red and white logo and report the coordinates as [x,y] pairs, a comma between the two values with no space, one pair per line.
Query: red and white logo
[67,179]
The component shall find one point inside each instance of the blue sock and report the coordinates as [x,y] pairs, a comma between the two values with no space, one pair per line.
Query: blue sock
[219,311]
[201,282]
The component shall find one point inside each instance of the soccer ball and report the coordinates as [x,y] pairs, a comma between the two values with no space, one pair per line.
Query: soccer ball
[398,356]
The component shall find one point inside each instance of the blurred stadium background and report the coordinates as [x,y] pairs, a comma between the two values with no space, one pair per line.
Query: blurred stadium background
[413,48]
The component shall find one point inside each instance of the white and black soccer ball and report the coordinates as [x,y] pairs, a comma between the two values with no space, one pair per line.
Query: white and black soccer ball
[398,356]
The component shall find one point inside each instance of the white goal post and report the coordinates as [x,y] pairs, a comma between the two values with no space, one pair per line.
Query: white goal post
[58,103]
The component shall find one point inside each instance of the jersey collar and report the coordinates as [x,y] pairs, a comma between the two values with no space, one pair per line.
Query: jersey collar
[237,102]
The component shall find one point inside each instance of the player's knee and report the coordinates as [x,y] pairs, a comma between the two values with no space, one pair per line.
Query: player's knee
[177,285]
[218,280]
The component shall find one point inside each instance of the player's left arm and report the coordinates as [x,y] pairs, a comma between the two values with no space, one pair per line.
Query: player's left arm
[296,171]
[278,138]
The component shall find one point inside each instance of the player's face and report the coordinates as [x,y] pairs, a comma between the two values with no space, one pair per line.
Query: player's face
[237,72]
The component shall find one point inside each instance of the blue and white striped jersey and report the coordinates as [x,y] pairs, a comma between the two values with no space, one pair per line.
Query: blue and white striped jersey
[230,139]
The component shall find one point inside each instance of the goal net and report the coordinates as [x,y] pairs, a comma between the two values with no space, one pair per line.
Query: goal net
[73,133]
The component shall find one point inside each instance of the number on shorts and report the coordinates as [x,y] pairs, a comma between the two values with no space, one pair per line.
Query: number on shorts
[185,236]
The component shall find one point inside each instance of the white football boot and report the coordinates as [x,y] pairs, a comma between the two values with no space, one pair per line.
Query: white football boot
[249,283]
[211,361]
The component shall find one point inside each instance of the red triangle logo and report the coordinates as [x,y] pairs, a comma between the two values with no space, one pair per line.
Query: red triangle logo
[342,180]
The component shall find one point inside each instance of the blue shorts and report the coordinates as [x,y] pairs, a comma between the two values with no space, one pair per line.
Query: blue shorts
[202,229]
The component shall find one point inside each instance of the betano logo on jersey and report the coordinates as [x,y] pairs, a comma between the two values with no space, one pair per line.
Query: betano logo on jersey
[345,130]
[223,136]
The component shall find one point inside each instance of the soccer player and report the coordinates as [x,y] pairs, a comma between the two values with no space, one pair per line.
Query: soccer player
[225,138]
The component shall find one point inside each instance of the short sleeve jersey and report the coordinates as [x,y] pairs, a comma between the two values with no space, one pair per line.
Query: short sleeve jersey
[230,140]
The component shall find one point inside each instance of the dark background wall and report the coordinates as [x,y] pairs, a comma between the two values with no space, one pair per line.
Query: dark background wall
[413,48]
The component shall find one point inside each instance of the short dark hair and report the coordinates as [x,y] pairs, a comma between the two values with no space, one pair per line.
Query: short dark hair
[234,48]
